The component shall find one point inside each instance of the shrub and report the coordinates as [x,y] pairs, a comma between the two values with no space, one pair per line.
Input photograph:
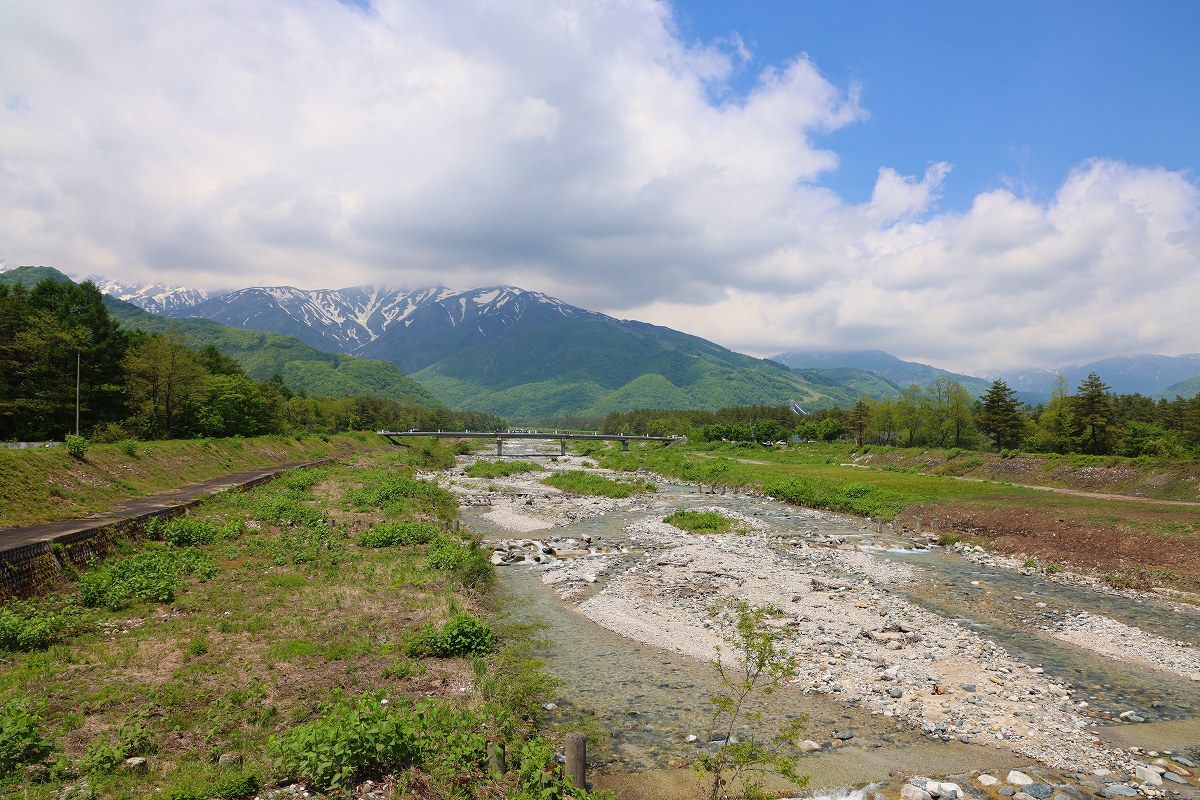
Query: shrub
[581,482]
[153,575]
[699,521]
[23,738]
[461,636]
[26,625]
[499,469]
[77,446]
[399,494]
[389,534]
[352,738]
[193,532]
[101,758]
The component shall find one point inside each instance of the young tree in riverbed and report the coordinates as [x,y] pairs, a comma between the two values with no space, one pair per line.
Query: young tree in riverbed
[761,666]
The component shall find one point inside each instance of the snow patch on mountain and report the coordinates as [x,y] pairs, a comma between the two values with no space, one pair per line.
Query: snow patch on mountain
[157,298]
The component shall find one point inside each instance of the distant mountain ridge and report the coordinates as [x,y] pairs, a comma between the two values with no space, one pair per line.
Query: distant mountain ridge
[519,352]
[157,298]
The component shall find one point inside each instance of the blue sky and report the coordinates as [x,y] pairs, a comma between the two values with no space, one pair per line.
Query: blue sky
[981,186]
[1011,94]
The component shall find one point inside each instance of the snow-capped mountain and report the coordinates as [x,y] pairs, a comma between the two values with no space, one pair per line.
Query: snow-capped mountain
[156,298]
[403,326]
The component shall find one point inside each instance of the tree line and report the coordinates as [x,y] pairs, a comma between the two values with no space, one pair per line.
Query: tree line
[133,384]
[1091,420]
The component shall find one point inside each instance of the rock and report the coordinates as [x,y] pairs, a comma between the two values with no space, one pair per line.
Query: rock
[945,790]
[987,780]
[1171,777]
[809,746]
[896,692]
[1039,790]
[1023,796]
[1147,775]
[36,773]
[676,762]
[550,706]
[1006,791]
[1187,762]
[968,687]
[692,738]
[1017,778]
[229,761]
[1178,770]
[911,792]
[845,736]
[1119,790]
[139,766]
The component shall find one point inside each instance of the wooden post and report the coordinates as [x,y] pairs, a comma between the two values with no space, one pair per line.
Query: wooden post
[576,765]
[496,765]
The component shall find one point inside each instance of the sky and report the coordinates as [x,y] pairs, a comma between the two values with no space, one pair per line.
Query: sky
[981,186]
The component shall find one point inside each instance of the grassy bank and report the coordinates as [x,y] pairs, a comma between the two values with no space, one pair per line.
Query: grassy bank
[1132,542]
[325,627]
[49,483]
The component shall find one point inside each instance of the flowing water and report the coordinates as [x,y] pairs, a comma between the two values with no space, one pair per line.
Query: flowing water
[652,700]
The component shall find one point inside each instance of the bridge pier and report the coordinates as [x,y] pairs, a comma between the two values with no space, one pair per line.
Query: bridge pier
[625,445]
[499,446]
[562,447]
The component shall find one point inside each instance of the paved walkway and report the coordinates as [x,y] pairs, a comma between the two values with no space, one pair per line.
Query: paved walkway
[12,538]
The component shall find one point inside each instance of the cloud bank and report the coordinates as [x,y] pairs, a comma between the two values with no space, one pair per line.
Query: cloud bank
[578,148]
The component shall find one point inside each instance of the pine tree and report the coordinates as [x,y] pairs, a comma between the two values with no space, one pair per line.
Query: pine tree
[1000,416]
[1094,423]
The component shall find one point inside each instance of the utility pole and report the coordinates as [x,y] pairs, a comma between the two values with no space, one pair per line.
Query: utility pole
[78,359]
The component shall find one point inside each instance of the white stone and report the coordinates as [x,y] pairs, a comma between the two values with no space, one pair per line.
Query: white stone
[1148,775]
[987,780]
[1017,778]
[910,792]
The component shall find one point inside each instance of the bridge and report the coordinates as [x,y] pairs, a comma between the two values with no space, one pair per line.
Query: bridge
[395,436]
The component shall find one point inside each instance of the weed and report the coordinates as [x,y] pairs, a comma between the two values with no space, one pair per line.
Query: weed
[581,482]
[389,534]
[699,521]
[500,469]
[153,575]
[77,446]
[1030,563]
[28,625]
[461,636]
[23,738]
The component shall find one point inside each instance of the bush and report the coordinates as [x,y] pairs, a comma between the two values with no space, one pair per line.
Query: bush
[77,446]
[23,738]
[398,494]
[26,625]
[461,636]
[699,521]
[390,534]
[353,738]
[500,469]
[580,482]
[153,575]
[192,532]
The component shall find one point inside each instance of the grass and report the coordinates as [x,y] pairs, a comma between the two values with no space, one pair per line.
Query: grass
[580,482]
[699,521]
[48,483]
[288,614]
[500,469]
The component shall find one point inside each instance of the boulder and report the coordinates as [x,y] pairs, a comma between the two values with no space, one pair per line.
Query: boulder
[1018,778]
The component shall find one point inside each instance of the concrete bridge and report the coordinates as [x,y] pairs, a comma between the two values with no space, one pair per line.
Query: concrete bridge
[395,436]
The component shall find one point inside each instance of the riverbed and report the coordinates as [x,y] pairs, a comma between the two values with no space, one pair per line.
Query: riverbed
[910,658]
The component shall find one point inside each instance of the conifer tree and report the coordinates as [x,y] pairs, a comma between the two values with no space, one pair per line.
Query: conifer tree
[1000,416]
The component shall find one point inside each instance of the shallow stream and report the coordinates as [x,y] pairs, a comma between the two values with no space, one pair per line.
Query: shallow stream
[652,700]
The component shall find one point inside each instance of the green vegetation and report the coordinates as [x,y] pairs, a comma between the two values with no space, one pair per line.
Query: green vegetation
[699,521]
[390,534]
[762,665]
[580,482]
[147,377]
[500,469]
[240,625]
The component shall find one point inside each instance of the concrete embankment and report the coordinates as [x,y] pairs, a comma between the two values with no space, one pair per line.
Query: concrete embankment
[33,557]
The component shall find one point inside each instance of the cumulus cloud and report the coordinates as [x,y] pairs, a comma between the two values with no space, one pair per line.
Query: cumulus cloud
[579,148]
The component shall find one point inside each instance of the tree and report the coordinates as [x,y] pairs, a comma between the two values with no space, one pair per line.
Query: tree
[761,666]
[860,419]
[910,413]
[1054,423]
[947,407]
[1000,416]
[1094,416]
[883,423]
[163,378]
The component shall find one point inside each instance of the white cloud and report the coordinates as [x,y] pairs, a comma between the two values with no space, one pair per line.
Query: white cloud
[579,148]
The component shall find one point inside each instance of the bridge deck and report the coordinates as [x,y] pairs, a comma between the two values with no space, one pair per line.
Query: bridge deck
[500,436]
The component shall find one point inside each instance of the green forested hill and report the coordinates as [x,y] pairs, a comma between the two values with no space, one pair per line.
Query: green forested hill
[303,368]
[263,354]
[593,365]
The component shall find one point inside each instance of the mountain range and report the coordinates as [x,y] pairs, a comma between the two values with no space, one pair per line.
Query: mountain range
[521,353]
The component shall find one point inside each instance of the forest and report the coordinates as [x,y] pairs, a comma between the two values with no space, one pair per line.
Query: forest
[68,368]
